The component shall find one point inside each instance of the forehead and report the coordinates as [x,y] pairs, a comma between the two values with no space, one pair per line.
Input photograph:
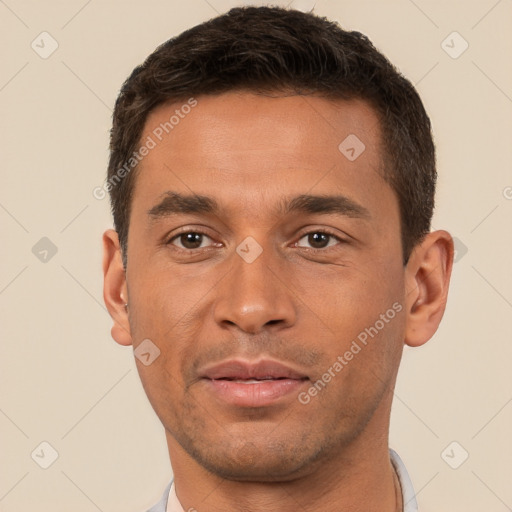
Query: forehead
[249,147]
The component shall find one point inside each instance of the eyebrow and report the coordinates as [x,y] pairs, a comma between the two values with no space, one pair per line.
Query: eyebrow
[325,204]
[174,203]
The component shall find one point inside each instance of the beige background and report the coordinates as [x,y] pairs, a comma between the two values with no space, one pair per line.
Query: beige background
[64,381]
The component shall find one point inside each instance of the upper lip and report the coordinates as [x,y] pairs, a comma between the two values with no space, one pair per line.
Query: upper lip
[238,369]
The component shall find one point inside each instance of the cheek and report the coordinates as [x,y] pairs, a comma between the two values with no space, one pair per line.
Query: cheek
[361,313]
[165,391]
[164,301]
[346,301]
[170,310]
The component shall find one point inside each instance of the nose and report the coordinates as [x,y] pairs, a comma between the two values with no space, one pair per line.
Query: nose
[255,296]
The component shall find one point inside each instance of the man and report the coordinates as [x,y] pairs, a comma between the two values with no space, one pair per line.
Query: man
[272,182]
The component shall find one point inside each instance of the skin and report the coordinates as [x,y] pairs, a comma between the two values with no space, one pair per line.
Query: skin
[293,304]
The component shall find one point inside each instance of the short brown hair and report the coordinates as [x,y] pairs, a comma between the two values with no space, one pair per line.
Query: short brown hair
[274,49]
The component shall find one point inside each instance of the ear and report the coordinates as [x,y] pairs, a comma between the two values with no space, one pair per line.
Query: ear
[428,274]
[115,292]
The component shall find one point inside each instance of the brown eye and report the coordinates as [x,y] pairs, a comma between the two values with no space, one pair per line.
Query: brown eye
[190,240]
[318,240]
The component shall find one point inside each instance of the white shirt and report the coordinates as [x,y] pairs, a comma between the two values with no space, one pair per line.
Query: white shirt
[408,495]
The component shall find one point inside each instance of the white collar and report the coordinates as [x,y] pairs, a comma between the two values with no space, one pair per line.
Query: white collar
[408,495]
[173,504]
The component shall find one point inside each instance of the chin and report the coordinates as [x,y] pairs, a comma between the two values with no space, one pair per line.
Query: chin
[251,462]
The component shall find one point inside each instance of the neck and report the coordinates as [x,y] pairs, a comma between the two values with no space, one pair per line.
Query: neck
[359,478]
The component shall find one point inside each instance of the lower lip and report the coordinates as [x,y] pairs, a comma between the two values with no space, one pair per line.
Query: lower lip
[254,394]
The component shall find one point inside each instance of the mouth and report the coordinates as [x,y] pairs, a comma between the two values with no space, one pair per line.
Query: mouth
[251,381]
[248,384]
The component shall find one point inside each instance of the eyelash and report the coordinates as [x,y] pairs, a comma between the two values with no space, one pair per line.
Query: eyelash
[310,249]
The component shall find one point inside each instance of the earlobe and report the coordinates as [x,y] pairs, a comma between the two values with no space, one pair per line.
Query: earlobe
[114,288]
[427,281]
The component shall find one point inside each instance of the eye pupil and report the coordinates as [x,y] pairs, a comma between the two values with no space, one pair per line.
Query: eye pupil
[191,240]
[318,240]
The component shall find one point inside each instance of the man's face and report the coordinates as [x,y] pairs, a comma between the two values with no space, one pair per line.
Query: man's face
[328,271]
